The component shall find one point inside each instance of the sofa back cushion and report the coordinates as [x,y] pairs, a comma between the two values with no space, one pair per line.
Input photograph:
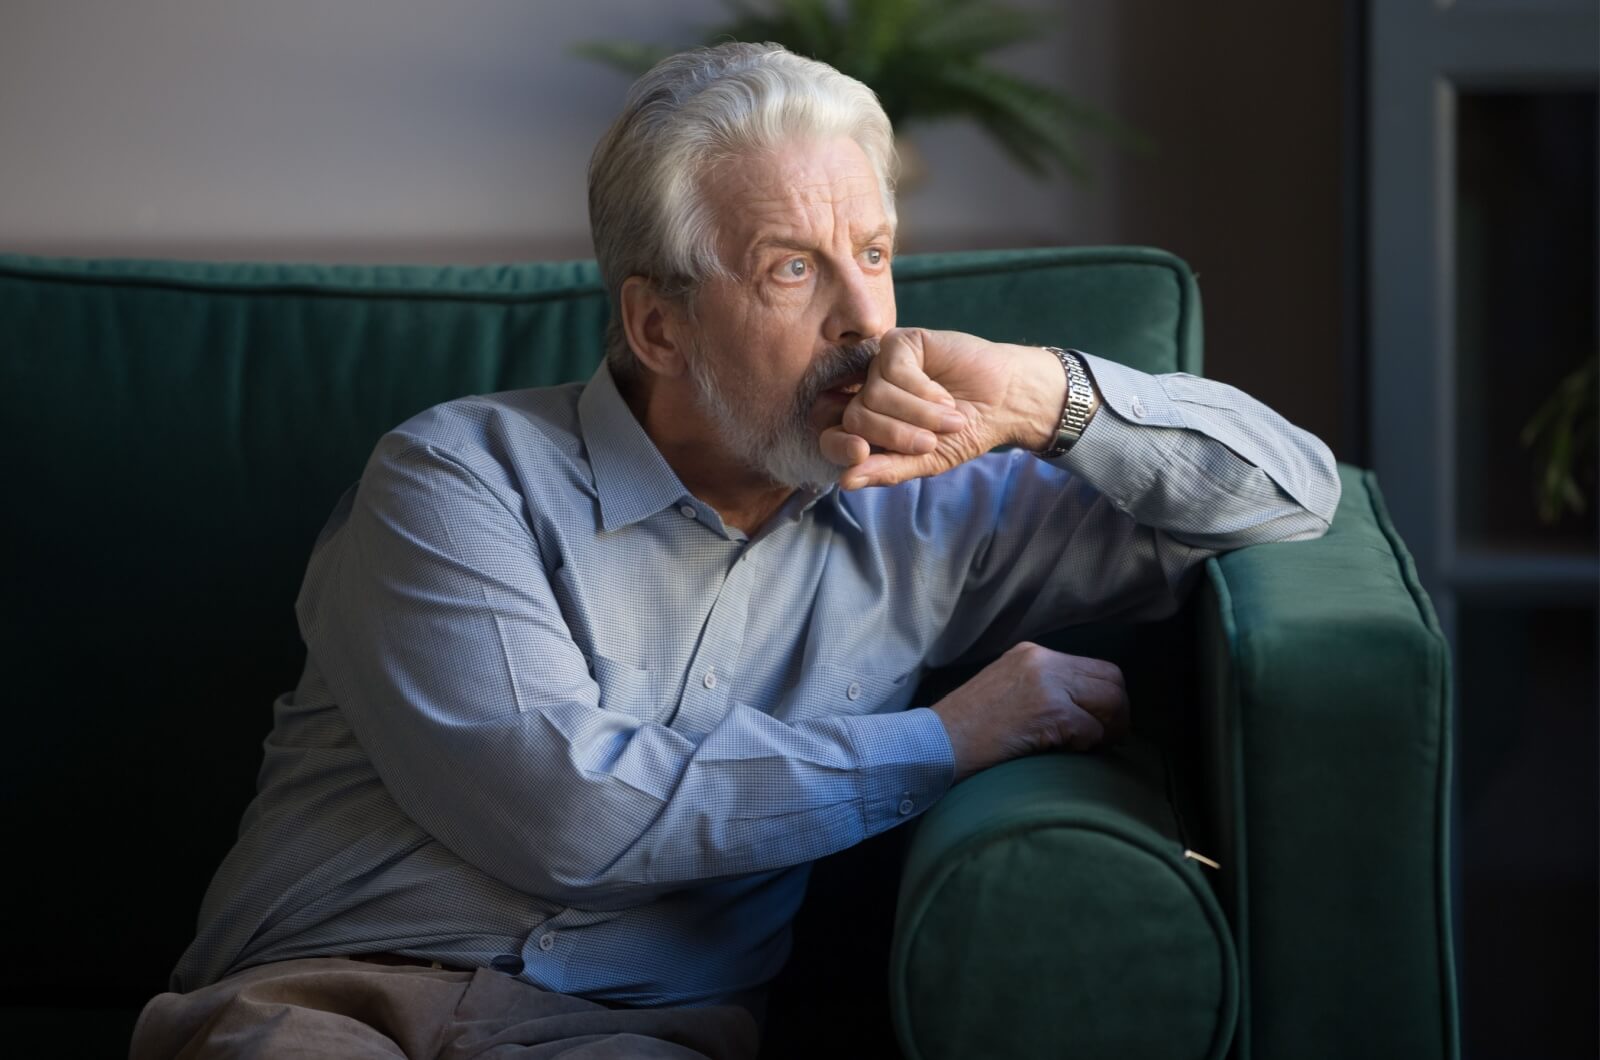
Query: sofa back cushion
[178,432]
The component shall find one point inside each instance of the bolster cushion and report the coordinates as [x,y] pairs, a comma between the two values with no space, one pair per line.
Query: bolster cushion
[1039,897]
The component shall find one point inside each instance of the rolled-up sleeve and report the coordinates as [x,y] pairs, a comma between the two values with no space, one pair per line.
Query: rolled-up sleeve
[430,611]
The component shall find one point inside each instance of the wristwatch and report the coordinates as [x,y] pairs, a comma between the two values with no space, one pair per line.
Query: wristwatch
[1080,400]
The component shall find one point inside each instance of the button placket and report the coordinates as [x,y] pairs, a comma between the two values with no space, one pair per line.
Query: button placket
[550,946]
[712,669]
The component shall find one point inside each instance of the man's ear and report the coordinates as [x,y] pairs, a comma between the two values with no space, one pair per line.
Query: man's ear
[649,323]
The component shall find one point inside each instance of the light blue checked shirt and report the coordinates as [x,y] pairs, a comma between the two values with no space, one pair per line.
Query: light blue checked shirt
[557,718]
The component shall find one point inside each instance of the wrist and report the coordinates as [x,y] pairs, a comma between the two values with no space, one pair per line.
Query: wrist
[959,736]
[1038,391]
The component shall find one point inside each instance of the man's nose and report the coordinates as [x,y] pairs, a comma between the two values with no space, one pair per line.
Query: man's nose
[861,309]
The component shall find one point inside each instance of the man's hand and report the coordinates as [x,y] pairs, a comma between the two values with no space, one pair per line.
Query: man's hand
[1033,699]
[935,399]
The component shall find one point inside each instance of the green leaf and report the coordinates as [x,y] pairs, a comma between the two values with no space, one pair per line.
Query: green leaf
[1021,117]
[971,31]
[925,59]
[1566,425]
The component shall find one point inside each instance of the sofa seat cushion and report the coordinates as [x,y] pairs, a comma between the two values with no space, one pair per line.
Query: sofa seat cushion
[1039,897]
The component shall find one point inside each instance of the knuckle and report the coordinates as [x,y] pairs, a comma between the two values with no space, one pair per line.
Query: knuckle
[906,354]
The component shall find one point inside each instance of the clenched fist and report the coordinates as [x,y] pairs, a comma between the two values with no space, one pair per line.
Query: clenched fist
[935,399]
[1033,699]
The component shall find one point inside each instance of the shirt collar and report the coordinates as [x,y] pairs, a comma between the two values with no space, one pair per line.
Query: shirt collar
[631,478]
[839,498]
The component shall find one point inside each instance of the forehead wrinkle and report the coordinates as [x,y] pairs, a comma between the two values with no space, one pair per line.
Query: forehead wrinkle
[796,218]
[778,196]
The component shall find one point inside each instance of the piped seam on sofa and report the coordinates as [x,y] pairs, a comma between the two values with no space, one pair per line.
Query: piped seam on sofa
[162,283]
[1240,871]
[1440,679]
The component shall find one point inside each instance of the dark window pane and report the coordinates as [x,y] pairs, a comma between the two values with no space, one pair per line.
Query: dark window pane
[1527,276]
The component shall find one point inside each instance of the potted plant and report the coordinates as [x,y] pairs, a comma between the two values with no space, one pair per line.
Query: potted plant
[928,61]
[1563,437]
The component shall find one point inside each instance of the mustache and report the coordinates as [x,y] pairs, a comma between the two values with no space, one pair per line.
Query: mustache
[834,367]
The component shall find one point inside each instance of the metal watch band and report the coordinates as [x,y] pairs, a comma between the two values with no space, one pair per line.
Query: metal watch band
[1080,399]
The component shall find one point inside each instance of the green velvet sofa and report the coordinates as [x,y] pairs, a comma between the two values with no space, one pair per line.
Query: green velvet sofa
[176,433]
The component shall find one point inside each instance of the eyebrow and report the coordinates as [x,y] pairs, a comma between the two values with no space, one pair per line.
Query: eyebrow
[766,242]
[881,233]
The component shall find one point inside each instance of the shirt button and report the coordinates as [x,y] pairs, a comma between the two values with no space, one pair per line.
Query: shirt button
[711,679]
[854,691]
[547,940]
[1137,408]
[687,511]
[906,806]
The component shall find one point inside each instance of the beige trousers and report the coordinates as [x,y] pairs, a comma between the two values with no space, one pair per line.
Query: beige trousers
[333,1007]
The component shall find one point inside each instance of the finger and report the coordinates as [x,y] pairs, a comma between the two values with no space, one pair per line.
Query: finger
[889,399]
[1096,687]
[900,361]
[1081,730]
[1082,664]
[1108,702]
[1107,671]
[888,469]
[840,447]
[1100,684]
[886,431]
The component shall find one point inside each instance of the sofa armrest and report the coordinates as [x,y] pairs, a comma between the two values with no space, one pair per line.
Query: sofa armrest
[1325,686]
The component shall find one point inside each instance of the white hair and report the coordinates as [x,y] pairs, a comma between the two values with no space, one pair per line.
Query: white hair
[647,213]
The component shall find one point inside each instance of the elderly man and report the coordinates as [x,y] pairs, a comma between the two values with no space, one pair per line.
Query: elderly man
[595,672]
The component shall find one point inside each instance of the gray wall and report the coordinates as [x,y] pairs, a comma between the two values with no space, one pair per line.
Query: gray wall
[402,130]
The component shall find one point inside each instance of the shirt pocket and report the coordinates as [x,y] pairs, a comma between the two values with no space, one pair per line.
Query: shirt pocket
[648,695]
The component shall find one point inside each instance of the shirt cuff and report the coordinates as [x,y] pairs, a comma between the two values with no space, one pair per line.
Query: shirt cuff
[1132,435]
[905,763]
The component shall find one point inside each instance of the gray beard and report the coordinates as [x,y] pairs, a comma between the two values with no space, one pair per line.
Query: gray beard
[778,441]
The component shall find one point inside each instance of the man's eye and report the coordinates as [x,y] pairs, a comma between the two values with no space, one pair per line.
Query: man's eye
[795,269]
[874,256]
